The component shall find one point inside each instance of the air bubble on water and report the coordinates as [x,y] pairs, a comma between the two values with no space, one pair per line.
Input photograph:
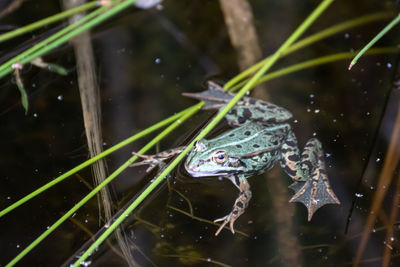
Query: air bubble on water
[359,195]
[391,238]
[316,111]
[208,259]
[372,188]
[248,93]
[220,178]
[334,120]
[60,97]
[86,221]
[157,61]
[346,35]
[18,246]
[295,121]
[179,121]
[389,65]
[314,134]
[327,155]
[35,115]
[159,7]
[162,236]
[308,110]
[312,95]
[373,230]
[367,113]
[378,160]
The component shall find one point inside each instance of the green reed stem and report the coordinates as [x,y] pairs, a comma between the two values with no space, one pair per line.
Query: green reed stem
[316,62]
[314,15]
[153,142]
[47,21]
[374,40]
[310,40]
[89,21]
[94,159]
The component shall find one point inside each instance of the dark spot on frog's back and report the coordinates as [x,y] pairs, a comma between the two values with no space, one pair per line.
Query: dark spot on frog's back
[238,146]
[241,120]
[252,101]
[294,157]
[232,135]
[248,133]
[247,113]
[256,146]
[291,143]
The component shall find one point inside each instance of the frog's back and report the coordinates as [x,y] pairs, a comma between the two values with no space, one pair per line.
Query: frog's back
[250,138]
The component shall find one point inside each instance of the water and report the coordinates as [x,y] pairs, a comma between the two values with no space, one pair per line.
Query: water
[145,60]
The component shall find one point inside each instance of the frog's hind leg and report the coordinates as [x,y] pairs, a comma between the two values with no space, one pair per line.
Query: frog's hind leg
[311,184]
[241,203]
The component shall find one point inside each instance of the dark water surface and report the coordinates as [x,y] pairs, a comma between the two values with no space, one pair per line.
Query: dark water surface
[145,60]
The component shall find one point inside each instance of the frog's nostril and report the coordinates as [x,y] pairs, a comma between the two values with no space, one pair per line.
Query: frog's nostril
[200,163]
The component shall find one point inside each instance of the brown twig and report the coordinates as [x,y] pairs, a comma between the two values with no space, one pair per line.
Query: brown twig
[392,219]
[391,160]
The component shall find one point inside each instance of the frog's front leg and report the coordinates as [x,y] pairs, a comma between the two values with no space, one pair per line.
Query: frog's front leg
[157,159]
[311,184]
[241,203]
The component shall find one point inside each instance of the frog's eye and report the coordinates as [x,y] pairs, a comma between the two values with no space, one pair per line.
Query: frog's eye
[220,156]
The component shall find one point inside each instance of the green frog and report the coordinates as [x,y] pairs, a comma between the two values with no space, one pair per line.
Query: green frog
[260,139]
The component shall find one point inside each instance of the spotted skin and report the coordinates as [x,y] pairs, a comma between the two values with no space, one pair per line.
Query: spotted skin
[260,140]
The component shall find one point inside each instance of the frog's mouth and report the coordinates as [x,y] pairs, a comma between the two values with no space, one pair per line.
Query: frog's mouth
[195,173]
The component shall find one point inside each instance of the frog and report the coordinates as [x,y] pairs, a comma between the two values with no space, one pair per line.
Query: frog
[260,138]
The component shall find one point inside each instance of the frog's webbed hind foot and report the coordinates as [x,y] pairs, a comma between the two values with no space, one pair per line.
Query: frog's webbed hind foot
[156,160]
[313,193]
[316,191]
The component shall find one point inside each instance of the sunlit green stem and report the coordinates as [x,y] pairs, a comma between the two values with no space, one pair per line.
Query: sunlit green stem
[118,171]
[89,21]
[94,159]
[323,5]
[310,40]
[315,62]
[375,39]
[47,21]
[22,58]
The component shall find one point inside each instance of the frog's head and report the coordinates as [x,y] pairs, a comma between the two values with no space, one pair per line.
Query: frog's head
[205,160]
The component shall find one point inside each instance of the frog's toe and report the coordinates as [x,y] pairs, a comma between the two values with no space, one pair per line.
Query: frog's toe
[314,193]
[225,220]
